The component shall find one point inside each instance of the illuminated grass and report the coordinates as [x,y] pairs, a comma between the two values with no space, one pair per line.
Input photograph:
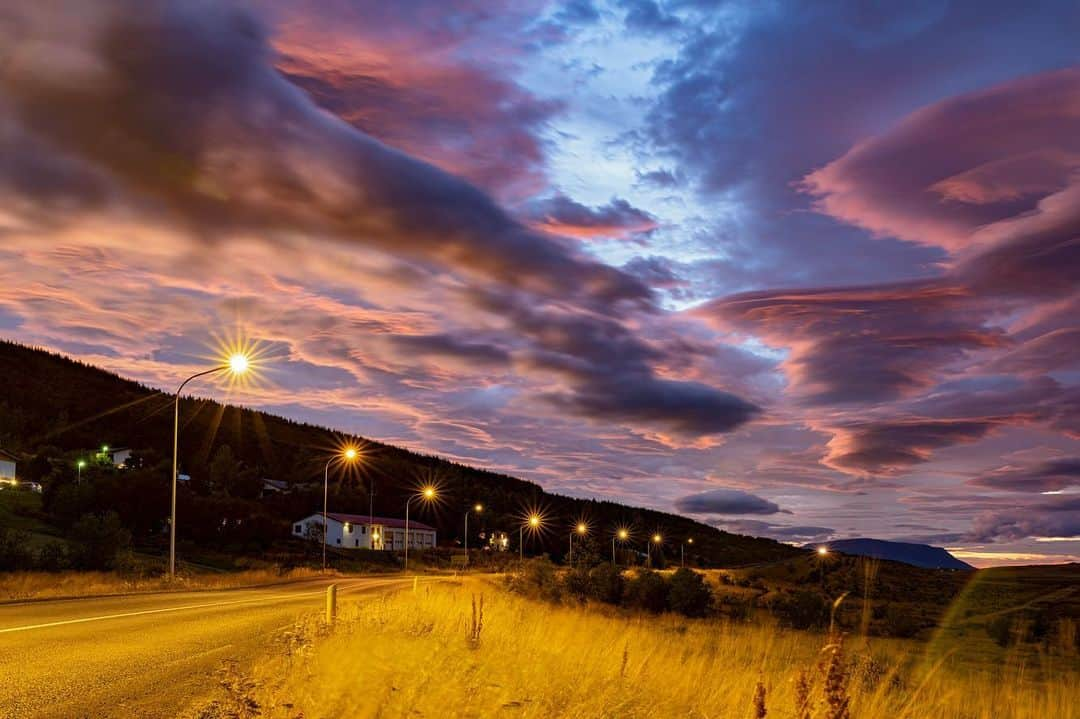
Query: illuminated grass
[422,654]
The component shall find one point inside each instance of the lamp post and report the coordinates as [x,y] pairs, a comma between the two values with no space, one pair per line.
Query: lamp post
[79,467]
[349,454]
[581,529]
[655,539]
[478,508]
[682,551]
[237,364]
[427,494]
[621,535]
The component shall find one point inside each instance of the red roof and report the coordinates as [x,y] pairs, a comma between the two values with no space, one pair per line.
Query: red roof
[384,521]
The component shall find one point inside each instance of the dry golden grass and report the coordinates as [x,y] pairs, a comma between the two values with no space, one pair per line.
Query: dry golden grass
[16,586]
[437,652]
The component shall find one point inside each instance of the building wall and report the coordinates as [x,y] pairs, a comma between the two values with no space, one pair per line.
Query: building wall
[357,536]
[7,469]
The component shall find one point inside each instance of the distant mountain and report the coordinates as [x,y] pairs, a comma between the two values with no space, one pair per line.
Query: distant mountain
[55,408]
[917,555]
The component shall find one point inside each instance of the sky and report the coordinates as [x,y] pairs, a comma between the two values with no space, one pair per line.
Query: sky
[797,270]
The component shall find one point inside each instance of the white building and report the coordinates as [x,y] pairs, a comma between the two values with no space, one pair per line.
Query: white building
[7,467]
[358,531]
[119,456]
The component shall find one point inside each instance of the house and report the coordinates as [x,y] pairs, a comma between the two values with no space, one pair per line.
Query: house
[358,531]
[7,466]
[498,542]
[273,486]
[120,456]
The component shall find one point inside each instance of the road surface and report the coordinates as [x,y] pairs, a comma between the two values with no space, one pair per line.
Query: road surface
[144,655]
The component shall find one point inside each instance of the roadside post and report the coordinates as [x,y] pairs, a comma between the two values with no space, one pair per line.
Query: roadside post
[331,604]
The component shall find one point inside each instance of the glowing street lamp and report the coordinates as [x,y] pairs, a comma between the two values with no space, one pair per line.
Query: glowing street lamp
[622,534]
[427,494]
[682,551]
[79,466]
[533,522]
[822,555]
[349,454]
[581,530]
[478,508]
[236,364]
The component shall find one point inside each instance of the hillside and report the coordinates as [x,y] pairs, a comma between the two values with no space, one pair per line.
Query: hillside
[917,555]
[56,409]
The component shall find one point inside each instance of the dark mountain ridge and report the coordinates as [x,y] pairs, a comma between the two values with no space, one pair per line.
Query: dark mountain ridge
[59,408]
[917,555]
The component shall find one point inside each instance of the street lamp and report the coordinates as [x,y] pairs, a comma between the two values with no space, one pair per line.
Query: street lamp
[427,494]
[581,530]
[79,466]
[533,522]
[682,551]
[478,508]
[622,534]
[349,454]
[236,364]
[656,539]
[822,554]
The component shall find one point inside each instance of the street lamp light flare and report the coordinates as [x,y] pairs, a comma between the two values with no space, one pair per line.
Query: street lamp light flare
[656,538]
[822,551]
[623,534]
[350,453]
[239,363]
[478,508]
[581,528]
[534,520]
[429,493]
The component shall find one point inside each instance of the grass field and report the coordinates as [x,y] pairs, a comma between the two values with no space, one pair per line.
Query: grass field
[474,650]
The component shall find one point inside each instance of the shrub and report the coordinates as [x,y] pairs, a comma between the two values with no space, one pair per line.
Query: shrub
[96,540]
[14,554]
[52,557]
[648,591]
[689,594]
[576,583]
[801,609]
[606,584]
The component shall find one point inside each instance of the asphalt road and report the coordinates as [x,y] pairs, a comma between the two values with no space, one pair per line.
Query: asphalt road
[144,655]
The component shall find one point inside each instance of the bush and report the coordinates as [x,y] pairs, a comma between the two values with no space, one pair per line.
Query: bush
[14,554]
[537,579]
[95,541]
[52,557]
[576,583]
[801,609]
[606,584]
[689,594]
[648,591]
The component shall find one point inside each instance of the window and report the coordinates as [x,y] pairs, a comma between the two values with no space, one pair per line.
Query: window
[358,542]
[298,529]
[363,529]
[339,540]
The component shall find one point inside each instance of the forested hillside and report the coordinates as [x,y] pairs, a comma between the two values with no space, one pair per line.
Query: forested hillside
[55,410]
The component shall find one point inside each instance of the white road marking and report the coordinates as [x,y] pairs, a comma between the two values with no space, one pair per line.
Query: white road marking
[320,592]
[82,620]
